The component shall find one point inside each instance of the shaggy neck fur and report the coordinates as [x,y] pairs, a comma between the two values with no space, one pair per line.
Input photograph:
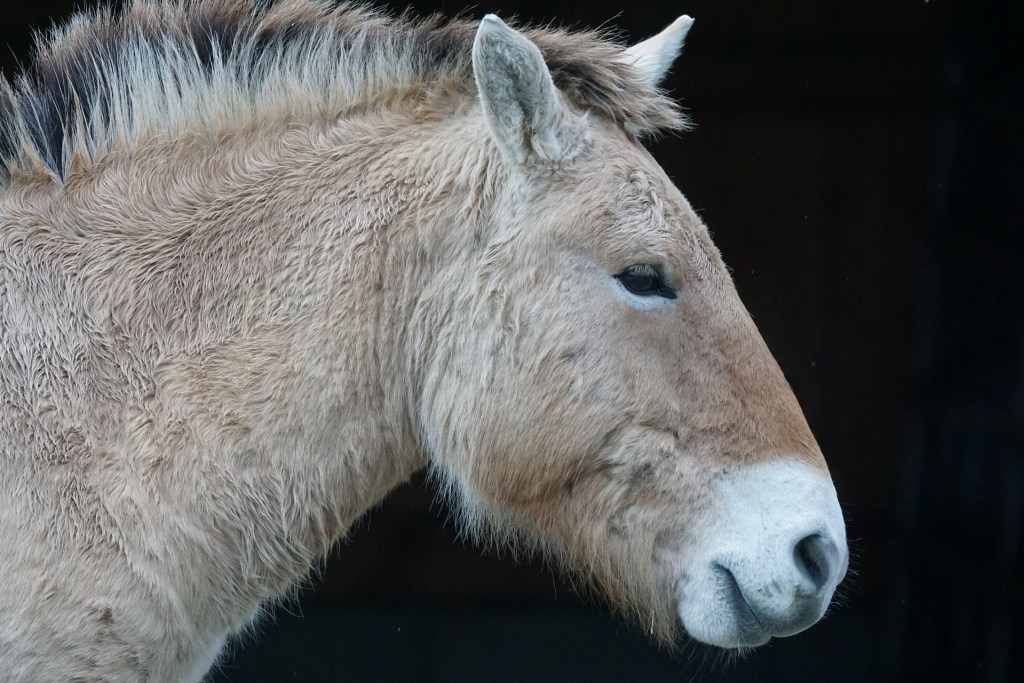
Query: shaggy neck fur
[107,82]
[223,372]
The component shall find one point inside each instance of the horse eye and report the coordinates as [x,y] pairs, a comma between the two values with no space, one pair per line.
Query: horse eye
[645,280]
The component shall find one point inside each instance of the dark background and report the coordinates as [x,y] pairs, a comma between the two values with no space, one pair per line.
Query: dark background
[861,165]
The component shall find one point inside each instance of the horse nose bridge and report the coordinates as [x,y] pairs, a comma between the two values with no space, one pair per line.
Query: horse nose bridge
[747,388]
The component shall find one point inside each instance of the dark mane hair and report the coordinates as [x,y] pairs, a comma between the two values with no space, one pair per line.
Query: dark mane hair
[106,78]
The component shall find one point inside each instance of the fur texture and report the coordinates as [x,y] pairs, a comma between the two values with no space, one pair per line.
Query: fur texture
[258,266]
[109,81]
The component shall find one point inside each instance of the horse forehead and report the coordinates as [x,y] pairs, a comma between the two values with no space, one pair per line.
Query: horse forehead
[629,177]
[645,203]
[618,186]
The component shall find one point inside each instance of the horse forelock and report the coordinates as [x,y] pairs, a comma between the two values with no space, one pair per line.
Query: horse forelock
[106,80]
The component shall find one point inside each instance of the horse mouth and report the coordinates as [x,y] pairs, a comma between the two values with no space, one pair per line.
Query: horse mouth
[750,630]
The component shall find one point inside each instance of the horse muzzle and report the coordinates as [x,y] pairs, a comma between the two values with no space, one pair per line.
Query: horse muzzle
[769,559]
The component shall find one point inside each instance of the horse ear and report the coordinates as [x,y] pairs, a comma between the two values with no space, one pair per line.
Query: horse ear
[520,101]
[654,56]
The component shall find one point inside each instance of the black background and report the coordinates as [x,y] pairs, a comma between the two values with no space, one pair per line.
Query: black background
[861,165]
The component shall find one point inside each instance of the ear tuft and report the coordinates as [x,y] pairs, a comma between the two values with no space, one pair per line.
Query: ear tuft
[654,56]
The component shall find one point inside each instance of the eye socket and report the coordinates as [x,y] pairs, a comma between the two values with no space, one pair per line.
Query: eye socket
[645,280]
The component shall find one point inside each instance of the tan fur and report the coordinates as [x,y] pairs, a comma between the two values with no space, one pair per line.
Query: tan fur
[224,339]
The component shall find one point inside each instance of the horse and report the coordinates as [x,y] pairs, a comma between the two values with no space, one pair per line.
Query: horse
[261,263]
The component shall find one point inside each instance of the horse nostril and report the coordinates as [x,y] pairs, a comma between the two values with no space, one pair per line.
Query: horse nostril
[815,557]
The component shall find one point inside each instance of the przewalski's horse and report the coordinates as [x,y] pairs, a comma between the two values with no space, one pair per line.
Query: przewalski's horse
[259,265]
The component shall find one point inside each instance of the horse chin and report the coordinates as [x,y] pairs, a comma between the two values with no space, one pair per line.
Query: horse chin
[724,627]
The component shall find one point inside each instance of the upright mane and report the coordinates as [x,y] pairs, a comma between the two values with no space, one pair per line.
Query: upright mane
[107,80]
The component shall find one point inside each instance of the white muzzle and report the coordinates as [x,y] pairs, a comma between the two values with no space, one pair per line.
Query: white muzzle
[769,556]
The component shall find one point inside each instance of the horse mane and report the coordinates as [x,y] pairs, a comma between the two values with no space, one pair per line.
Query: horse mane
[108,79]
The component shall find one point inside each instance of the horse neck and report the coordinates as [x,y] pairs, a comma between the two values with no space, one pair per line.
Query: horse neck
[376,220]
[261,295]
